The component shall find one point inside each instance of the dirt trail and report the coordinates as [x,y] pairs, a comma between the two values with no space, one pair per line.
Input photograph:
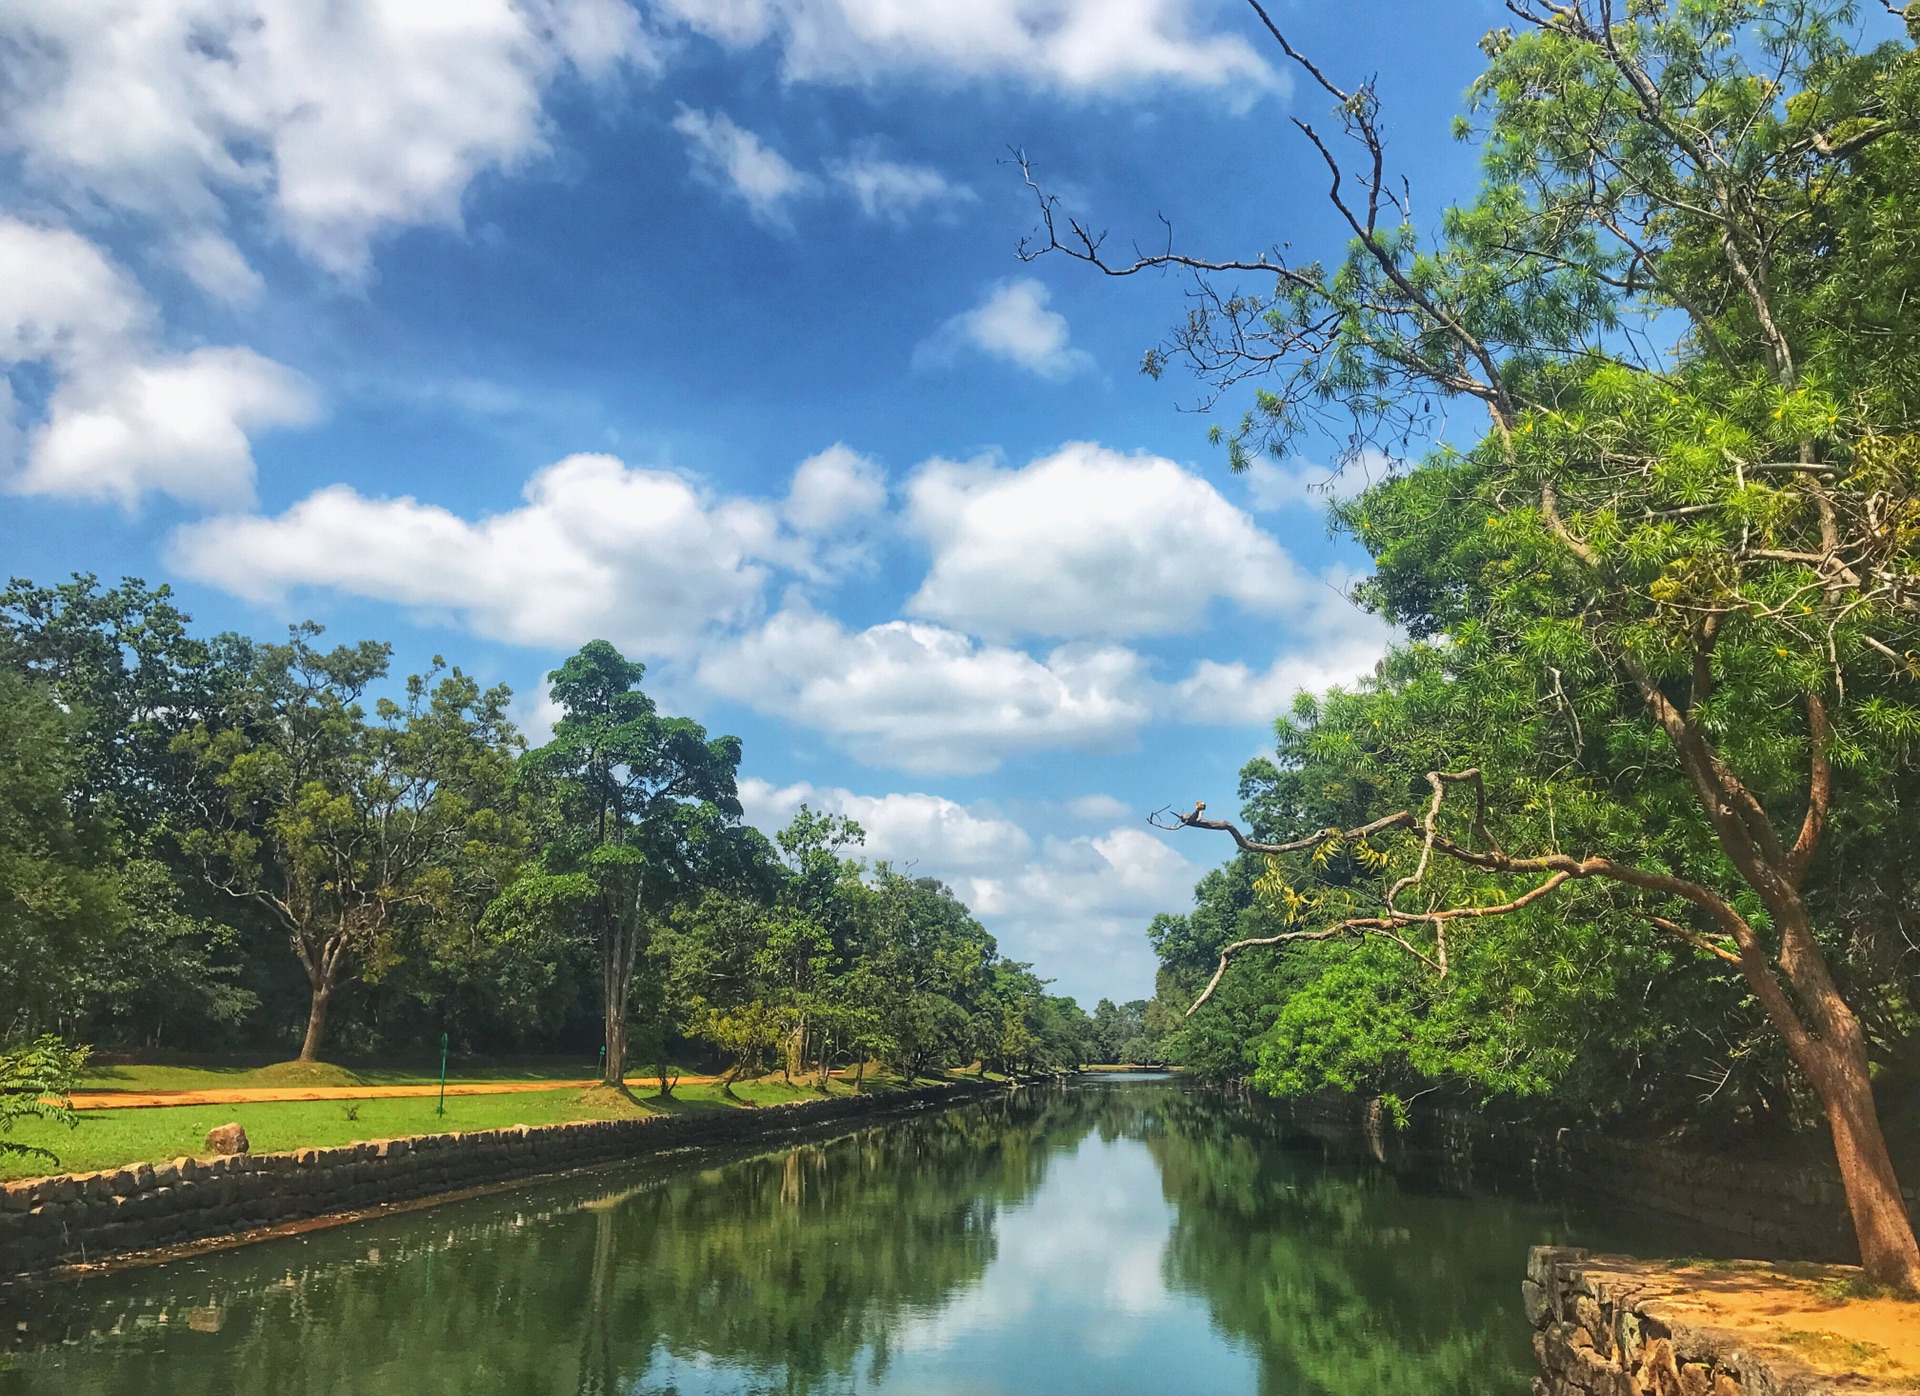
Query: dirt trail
[247,1095]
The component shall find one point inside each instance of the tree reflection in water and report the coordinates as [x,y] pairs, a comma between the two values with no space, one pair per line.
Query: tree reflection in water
[908,1257]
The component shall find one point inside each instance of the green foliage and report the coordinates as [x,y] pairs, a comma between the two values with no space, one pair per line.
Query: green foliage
[35,1081]
[175,811]
[59,898]
[829,963]
[342,827]
[1659,567]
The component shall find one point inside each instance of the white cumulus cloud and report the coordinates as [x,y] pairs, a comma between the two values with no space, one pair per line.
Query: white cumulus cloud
[343,118]
[124,416]
[599,549]
[730,157]
[1077,46]
[646,558]
[928,833]
[926,698]
[1089,542]
[834,490]
[1082,549]
[1011,324]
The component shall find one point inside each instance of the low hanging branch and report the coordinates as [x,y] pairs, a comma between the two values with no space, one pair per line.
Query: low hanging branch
[1557,869]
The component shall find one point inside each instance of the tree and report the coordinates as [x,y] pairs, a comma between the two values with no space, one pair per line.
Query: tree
[122,662]
[640,809]
[60,901]
[127,678]
[1698,560]
[334,824]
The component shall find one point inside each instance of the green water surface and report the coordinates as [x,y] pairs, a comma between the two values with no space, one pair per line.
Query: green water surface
[1116,1236]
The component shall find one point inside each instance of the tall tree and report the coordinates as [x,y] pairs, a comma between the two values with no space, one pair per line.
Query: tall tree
[1702,557]
[333,822]
[129,677]
[639,808]
[60,900]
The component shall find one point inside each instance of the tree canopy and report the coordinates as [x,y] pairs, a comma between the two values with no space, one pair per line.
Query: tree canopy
[1655,711]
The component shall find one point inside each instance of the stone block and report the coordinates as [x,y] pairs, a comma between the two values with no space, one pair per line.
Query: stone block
[229,1139]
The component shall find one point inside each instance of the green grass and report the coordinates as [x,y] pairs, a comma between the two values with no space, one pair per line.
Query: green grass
[110,1138]
[142,1077]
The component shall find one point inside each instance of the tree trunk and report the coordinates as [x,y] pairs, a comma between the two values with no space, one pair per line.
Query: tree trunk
[1821,1030]
[1888,1252]
[316,1022]
[1836,1066]
[613,1070]
[1833,1055]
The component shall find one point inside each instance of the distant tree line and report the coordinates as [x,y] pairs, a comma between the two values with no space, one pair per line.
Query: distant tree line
[221,844]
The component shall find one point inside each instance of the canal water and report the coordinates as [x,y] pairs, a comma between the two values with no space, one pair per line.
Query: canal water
[1117,1235]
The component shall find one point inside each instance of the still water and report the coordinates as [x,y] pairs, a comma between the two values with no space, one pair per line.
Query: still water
[1113,1236]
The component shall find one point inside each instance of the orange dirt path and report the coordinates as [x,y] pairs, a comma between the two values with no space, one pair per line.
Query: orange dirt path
[246,1095]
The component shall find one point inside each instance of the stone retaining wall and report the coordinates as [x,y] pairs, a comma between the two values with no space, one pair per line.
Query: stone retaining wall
[79,1218]
[1609,1326]
[1780,1208]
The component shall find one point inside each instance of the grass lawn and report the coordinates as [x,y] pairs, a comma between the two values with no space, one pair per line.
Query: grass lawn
[141,1077]
[110,1138]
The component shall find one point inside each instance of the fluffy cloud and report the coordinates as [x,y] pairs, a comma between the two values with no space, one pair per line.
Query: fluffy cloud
[1086,547]
[124,417]
[641,557]
[1073,45]
[645,558]
[834,490]
[932,700]
[925,698]
[1080,901]
[732,158]
[1089,542]
[1235,693]
[930,833]
[1011,324]
[346,118]
[889,189]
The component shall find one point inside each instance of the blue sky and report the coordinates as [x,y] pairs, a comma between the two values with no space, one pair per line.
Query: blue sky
[492,326]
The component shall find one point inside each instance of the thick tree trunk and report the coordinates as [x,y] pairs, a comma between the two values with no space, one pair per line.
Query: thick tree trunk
[614,1072]
[316,1022]
[1821,1031]
[1888,1252]
[1836,1066]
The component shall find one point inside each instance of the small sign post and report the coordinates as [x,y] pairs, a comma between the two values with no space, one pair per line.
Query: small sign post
[443,1076]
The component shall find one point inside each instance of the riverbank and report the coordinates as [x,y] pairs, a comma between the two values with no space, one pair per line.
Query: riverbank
[1742,1328]
[1771,1208]
[81,1220]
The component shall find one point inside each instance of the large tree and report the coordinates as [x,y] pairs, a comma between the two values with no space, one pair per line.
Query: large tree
[127,677]
[335,822]
[60,900]
[1674,586]
[640,810]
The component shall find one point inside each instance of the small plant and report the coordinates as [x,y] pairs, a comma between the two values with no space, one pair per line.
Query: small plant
[35,1081]
[352,1112]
